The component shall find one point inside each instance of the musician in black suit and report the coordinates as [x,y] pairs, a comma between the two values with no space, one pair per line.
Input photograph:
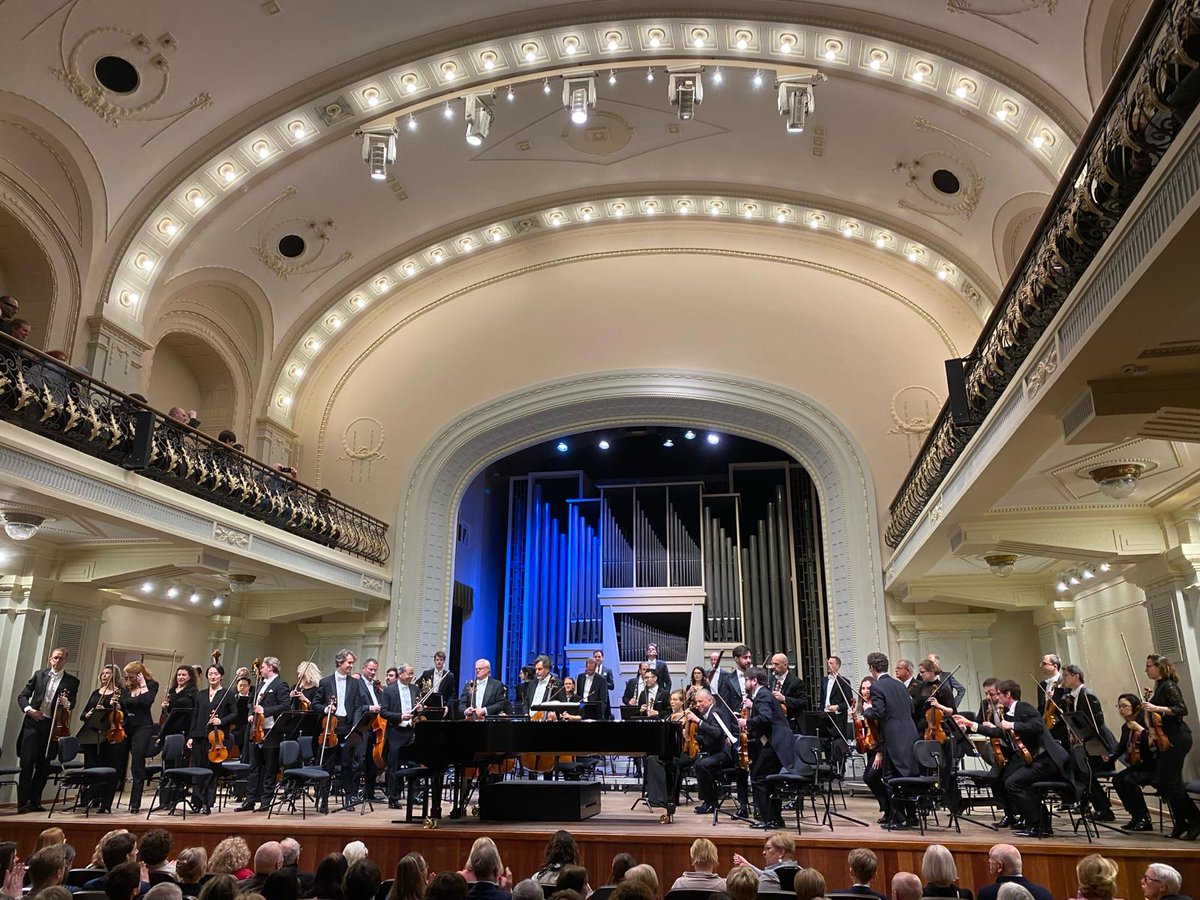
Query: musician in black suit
[717,736]
[1077,697]
[484,695]
[342,694]
[272,698]
[440,679]
[634,687]
[48,687]
[891,707]
[772,746]
[543,687]
[1049,760]
[660,667]
[592,688]
[399,706]
[602,670]
[786,688]
[837,695]
[653,700]
[366,748]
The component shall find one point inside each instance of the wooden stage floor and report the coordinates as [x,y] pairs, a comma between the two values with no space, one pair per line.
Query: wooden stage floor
[665,846]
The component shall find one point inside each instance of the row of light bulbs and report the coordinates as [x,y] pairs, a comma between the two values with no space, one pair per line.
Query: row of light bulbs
[712,438]
[175,591]
[1085,572]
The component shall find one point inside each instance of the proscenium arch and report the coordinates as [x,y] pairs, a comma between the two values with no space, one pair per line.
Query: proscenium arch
[424,563]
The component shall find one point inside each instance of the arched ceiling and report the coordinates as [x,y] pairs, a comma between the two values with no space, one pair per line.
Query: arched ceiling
[217,78]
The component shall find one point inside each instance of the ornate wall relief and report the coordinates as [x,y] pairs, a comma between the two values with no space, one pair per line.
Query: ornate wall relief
[913,410]
[995,10]
[947,181]
[293,245]
[362,442]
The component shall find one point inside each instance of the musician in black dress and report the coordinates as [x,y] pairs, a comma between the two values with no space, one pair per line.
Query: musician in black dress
[137,702]
[92,732]
[873,756]
[176,708]
[659,790]
[1166,702]
[1133,749]
[46,690]
[215,710]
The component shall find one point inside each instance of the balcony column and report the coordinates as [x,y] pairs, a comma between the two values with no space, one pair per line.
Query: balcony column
[273,442]
[117,356]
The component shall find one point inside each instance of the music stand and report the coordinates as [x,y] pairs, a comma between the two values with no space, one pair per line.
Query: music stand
[1080,725]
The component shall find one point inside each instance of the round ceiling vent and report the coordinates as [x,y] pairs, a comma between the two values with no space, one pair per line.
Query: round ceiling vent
[117,75]
[946,181]
[291,246]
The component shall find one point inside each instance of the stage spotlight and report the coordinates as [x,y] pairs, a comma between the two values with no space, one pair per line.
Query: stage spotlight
[379,150]
[479,116]
[604,445]
[579,96]
[685,90]
[690,435]
[713,439]
[147,587]
[668,443]
[796,99]
[172,592]
[561,447]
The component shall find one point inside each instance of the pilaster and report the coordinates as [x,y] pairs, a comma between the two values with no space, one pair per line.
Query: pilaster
[273,442]
[116,356]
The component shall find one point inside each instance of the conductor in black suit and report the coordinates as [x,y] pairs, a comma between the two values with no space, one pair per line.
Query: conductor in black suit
[343,695]
[272,698]
[772,746]
[484,696]
[37,701]
[592,688]
[716,736]
[440,679]
[891,707]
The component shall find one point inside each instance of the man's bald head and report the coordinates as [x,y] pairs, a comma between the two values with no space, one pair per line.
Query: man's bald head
[1006,858]
[906,886]
[268,858]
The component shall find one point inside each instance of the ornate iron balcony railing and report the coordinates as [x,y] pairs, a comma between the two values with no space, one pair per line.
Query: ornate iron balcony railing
[44,396]
[1148,101]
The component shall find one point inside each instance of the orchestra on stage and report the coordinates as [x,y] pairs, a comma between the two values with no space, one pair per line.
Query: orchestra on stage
[732,728]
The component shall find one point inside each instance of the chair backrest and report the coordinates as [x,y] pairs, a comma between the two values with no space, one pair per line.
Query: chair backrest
[930,754]
[80,877]
[776,895]
[289,753]
[384,889]
[68,749]
[161,878]
[688,894]
[172,749]
[90,895]
[787,878]
[602,892]
[306,748]
[808,749]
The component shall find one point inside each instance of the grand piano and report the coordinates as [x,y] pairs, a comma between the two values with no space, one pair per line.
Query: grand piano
[440,745]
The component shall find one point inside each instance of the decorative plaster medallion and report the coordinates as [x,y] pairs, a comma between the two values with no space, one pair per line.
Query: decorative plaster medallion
[913,410]
[77,72]
[363,442]
[961,204]
[1042,370]
[994,11]
[372,584]
[230,536]
[315,232]
[604,133]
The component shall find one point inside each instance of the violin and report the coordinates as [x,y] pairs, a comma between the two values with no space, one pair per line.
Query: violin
[866,738]
[691,747]
[257,732]
[1019,746]
[933,725]
[328,736]
[997,745]
[743,749]
[217,751]
[116,725]
[1154,727]
[1050,714]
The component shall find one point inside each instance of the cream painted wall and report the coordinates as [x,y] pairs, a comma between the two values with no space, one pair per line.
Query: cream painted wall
[1102,616]
[158,634]
[1014,651]
[171,381]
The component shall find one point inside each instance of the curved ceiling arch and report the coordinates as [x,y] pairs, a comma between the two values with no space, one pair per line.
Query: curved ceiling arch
[335,373]
[146,250]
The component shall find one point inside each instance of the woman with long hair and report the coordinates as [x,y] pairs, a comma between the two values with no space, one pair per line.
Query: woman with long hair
[1167,704]
[1133,749]
[940,874]
[412,875]
[874,757]
[137,702]
[561,850]
[231,857]
[95,724]
[327,880]
[697,681]
[308,677]
[178,704]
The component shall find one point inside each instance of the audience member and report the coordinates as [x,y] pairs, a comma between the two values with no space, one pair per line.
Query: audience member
[572,878]
[47,867]
[189,869]
[268,858]
[291,860]
[153,850]
[164,890]
[1004,862]
[487,868]
[809,884]
[447,886]
[116,850]
[742,882]
[54,892]
[222,886]
[863,865]
[281,885]
[700,876]
[184,416]
[906,886]
[124,881]
[227,437]
[528,890]
[561,850]
[780,866]
[9,306]
[19,329]
[50,837]
[468,870]
[231,857]
[621,864]
[412,873]
[362,880]
[354,851]
[566,895]
[941,875]
[646,875]
[1010,890]
[632,890]
[1162,882]
[1097,877]
[327,881]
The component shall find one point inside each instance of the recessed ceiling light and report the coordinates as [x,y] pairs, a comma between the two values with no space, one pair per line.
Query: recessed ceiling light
[604,445]
[830,55]
[713,439]
[689,435]
[960,92]
[562,447]
[147,587]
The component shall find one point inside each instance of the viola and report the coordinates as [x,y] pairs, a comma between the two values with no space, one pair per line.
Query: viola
[1154,727]
[217,751]
[1050,714]
[1133,752]
[1019,746]
[933,725]
[865,737]
[379,726]
[116,725]
[328,736]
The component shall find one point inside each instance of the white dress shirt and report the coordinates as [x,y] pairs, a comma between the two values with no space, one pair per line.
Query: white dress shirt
[339,682]
[51,692]
[480,687]
[268,721]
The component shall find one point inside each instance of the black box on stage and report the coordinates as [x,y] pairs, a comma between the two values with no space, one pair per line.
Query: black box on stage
[539,801]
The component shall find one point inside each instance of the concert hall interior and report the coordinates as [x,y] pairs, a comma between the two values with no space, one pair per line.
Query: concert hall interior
[517,330]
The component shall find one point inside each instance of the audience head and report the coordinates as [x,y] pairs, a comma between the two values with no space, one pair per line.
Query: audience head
[8,306]
[409,881]
[863,864]
[632,890]
[362,880]
[281,884]
[937,867]
[118,849]
[123,882]
[227,437]
[8,851]
[809,884]
[906,886]
[190,865]
[178,413]
[1005,859]
[97,861]
[50,837]
[1160,879]
[154,847]
[1097,877]
[572,878]
[327,880]
[354,851]
[46,867]
[166,890]
[229,856]
[1011,890]
[54,892]
[485,862]
[779,845]
[221,886]
[704,855]
[742,883]
[268,858]
[447,886]
[561,849]
[20,329]
[646,875]
[621,864]
[290,847]
[528,889]
[565,894]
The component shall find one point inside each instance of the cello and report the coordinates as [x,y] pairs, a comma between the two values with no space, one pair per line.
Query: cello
[540,762]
